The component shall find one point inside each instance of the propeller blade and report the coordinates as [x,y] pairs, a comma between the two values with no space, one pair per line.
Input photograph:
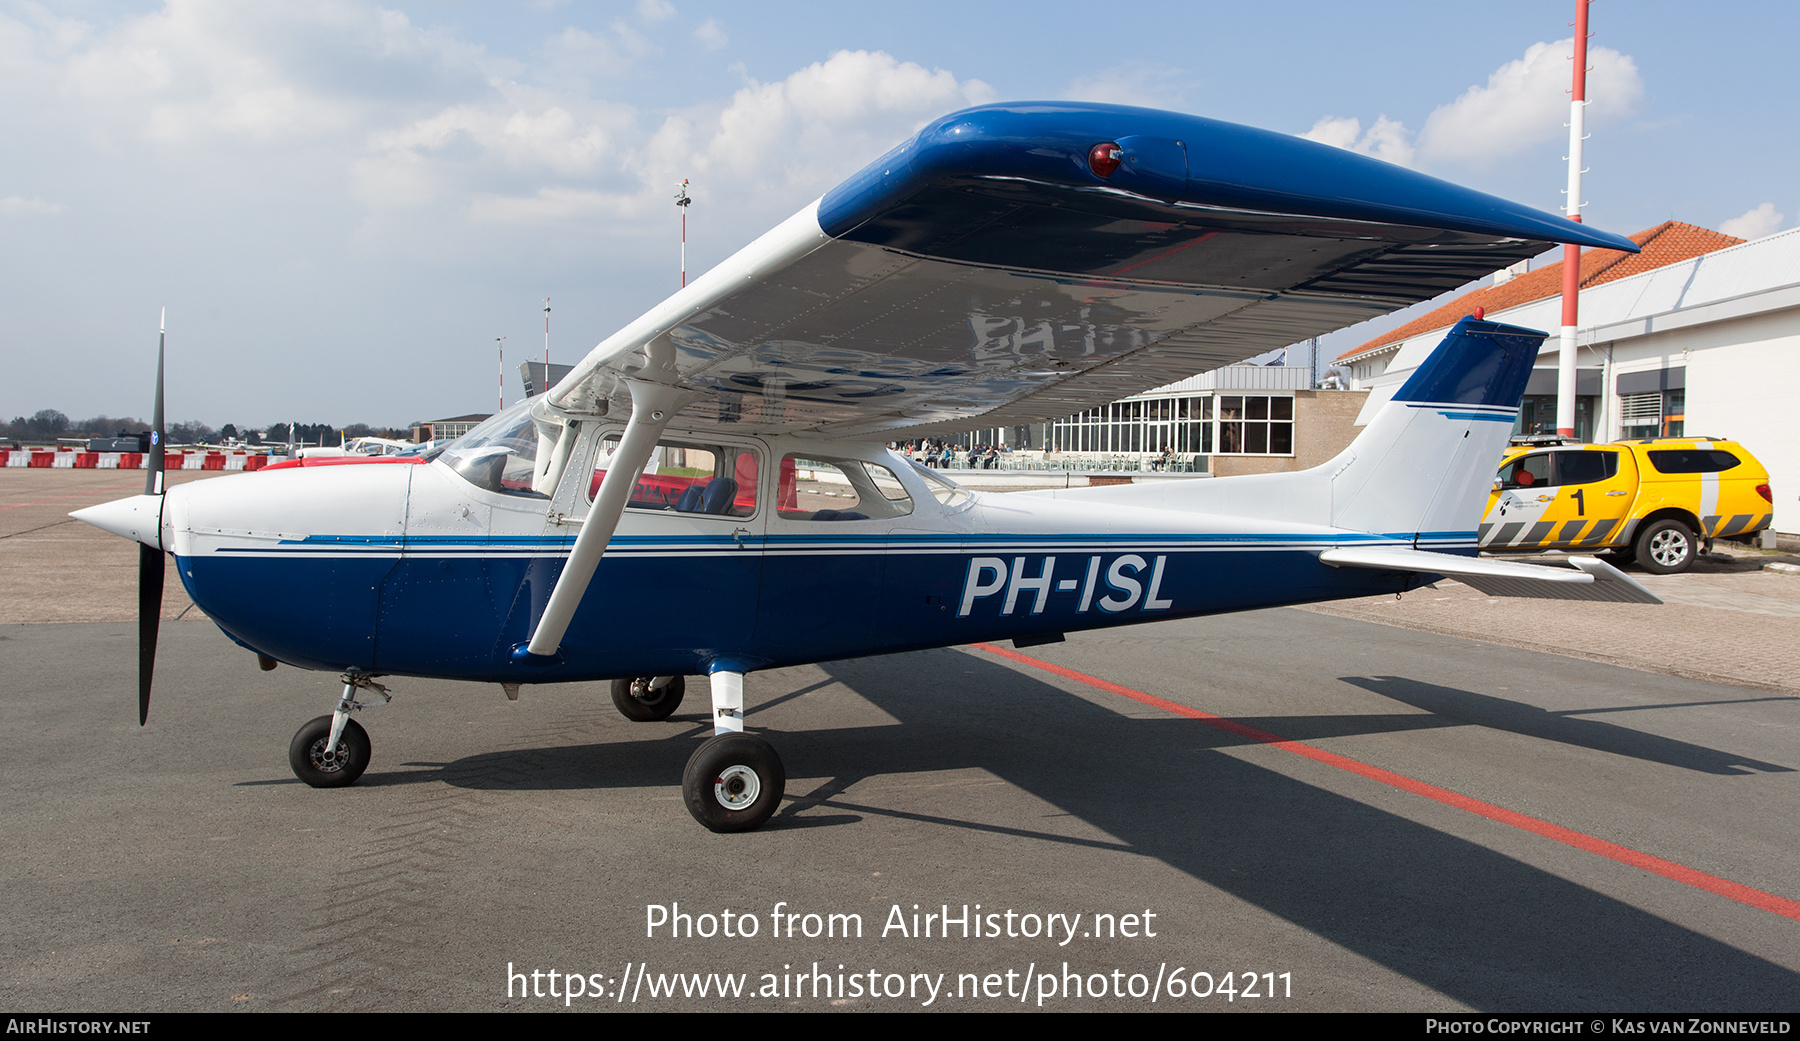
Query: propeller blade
[150,561]
[153,463]
[150,590]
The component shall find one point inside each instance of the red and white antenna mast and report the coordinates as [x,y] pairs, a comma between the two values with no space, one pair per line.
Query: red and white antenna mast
[500,343]
[546,387]
[1565,358]
[682,200]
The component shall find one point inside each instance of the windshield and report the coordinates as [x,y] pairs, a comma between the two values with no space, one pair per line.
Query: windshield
[500,455]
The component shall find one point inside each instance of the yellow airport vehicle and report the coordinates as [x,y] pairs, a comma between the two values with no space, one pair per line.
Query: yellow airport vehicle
[1656,501]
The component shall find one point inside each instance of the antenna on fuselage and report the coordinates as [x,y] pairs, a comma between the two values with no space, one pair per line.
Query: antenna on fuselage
[682,200]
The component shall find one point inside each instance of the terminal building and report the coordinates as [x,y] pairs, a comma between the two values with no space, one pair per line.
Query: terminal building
[1696,336]
[447,429]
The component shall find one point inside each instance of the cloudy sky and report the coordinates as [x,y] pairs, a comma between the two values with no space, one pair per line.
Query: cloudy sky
[342,204]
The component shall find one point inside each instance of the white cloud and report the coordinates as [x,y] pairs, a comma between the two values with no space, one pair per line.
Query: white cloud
[650,11]
[1144,85]
[578,51]
[1336,131]
[270,75]
[1526,102]
[813,128]
[552,204]
[524,154]
[710,35]
[15,206]
[519,135]
[635,42]
[1754,224]
[1386,139]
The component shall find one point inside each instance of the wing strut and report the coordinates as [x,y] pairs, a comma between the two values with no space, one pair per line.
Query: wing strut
[653,404]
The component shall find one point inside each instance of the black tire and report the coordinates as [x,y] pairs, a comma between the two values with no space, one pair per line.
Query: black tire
[733,782]
[1666,547]
[637,702]
[306,754]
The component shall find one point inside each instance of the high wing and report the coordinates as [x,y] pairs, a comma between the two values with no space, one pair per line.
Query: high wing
[986,272]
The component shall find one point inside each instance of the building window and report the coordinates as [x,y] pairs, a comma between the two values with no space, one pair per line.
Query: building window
[1674,417]
[1256,424]
[1640,415]
[1194,424]
[1537,415]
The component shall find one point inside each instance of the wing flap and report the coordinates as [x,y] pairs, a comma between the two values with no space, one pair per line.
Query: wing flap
[1590,579]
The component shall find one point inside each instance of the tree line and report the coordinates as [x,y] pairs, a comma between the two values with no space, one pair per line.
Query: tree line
[48,425]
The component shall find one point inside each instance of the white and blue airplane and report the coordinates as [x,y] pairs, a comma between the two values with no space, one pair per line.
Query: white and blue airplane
[655,516]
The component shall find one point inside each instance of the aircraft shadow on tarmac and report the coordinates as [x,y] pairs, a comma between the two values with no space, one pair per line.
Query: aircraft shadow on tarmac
[1450,706]
[1477,925]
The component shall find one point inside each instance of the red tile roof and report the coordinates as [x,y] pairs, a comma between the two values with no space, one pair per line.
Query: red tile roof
[1668,243]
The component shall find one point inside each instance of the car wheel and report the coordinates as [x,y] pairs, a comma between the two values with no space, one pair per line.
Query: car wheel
[1665,547]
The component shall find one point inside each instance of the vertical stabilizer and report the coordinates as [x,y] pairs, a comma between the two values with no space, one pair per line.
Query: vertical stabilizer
[1423,466]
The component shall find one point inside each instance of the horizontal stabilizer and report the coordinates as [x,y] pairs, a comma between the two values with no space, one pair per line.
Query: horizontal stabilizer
[1591,578]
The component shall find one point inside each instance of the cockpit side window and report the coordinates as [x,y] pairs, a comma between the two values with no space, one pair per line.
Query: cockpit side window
[689,477]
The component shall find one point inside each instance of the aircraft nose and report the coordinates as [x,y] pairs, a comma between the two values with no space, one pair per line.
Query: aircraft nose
[138,518]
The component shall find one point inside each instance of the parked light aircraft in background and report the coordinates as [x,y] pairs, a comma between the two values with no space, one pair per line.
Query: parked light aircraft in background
[359,446]
[653,516]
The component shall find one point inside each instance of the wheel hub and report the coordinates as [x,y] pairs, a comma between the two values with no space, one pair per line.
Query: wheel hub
[736,787]
[640,689]
[1668,548]
[328,763]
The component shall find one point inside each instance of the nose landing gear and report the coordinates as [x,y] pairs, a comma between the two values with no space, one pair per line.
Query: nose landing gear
[317,766]
[333,751]
[647,699]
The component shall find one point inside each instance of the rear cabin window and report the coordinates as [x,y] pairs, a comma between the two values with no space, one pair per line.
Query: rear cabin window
[689,477]
[1691,461]
[838,490]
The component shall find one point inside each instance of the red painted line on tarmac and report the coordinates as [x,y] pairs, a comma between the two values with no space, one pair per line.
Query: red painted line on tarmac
[1611,850]
[80,495]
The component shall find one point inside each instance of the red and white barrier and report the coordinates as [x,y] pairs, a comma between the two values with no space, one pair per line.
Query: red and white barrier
[72,460]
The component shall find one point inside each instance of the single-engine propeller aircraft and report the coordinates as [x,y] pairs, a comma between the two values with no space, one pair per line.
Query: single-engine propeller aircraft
[654,515]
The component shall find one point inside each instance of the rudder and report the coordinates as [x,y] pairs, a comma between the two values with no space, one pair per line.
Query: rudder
[1422,468]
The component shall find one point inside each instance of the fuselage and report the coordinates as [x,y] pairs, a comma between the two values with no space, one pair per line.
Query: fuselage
[415,570]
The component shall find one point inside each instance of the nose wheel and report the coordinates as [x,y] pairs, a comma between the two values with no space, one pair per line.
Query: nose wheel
[647,699]
[333,751]
[317,766]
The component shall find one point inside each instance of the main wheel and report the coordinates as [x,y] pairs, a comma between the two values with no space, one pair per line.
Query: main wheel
[733,782]
[306,754]
[1665,548]
[637,702]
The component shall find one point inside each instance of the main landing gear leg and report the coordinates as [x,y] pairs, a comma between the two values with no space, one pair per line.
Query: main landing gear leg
[333,751]
[733,782]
